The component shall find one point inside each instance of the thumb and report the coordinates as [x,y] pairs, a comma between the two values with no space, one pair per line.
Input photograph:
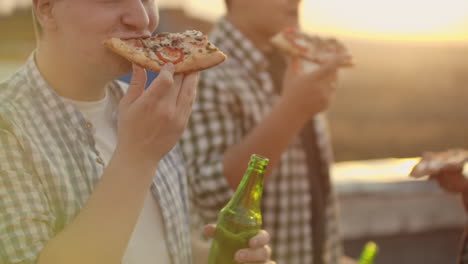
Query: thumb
[137,85]
[209,230]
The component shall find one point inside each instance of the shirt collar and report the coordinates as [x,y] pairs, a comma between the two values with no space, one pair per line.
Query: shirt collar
[226,36]
[54,103]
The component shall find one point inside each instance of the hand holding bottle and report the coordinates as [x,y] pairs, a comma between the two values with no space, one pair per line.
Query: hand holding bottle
[258,251]
[240,221]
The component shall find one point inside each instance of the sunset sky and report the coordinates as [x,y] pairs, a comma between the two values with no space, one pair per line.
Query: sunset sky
[413,20]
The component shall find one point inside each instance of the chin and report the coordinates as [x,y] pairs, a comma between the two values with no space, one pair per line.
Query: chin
[119,65]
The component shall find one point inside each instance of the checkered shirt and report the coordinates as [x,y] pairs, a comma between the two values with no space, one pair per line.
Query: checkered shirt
[232,99]
[49,166]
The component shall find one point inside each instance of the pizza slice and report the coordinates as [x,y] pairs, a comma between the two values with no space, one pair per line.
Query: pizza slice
[432,163]
[312,48]
[188,51]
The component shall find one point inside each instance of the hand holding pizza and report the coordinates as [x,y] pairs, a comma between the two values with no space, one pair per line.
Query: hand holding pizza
[310,81]
[151,121]
[309,93]
[447,168]
[451,178]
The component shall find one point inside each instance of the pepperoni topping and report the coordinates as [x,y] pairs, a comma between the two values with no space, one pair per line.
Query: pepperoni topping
[168,54]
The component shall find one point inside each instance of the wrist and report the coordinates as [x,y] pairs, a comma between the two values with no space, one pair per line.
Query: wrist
[138,162]
[292,113]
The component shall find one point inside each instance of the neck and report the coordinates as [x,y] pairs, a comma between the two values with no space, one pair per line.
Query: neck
[67,76]
[259,38]
[249,191]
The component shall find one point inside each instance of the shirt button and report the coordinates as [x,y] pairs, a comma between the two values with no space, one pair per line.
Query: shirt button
[100,160]
[89,125]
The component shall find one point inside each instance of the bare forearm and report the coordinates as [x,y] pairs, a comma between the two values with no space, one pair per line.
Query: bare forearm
[101,231]
[270,138]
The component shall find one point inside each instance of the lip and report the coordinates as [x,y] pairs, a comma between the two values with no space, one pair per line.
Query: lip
[135,37]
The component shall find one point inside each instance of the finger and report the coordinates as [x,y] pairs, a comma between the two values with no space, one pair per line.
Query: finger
[163,83]
[449,183]
[209,230]
[185,103]
[188,89]
[260,240]
[324,71]
[137,85]
[253,255]
[176,88]
[330,83]
[453,168]
[294,66]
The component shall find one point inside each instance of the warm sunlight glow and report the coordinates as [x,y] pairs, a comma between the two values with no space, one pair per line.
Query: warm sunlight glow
[413,20]
[384,170]
[397,19]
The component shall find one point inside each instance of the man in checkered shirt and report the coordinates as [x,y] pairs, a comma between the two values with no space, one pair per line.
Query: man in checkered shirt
[75,185]
[256,103]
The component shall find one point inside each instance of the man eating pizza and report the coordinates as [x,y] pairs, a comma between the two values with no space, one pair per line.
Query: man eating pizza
[256,103]
[90,171]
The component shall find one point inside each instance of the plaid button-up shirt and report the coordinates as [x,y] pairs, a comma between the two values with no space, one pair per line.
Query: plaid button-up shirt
[232,99]
[49,166]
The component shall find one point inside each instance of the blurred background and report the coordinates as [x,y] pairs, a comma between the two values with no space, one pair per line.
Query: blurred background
[407,94]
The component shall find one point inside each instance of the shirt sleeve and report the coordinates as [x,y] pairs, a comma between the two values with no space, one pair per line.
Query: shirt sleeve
[26,221]
[215,125]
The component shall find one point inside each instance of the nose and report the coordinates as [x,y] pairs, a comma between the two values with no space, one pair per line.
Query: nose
[136,17]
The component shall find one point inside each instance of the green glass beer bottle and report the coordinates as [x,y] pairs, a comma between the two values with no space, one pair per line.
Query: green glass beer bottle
[241,218]
[369,253]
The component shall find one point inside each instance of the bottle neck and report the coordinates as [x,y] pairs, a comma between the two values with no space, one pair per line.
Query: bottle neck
[250,190]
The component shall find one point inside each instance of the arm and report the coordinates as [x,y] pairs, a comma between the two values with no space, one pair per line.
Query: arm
[150,123]
[216,148]
[102,229]
[29,222]
[304,95]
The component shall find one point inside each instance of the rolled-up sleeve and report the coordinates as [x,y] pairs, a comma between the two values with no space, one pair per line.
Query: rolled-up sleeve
[26,221]
[215,125]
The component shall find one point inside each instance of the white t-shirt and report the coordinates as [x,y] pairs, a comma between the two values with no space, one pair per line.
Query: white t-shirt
[147,244]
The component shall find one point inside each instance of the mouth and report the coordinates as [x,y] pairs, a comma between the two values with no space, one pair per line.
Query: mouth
[144,36]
